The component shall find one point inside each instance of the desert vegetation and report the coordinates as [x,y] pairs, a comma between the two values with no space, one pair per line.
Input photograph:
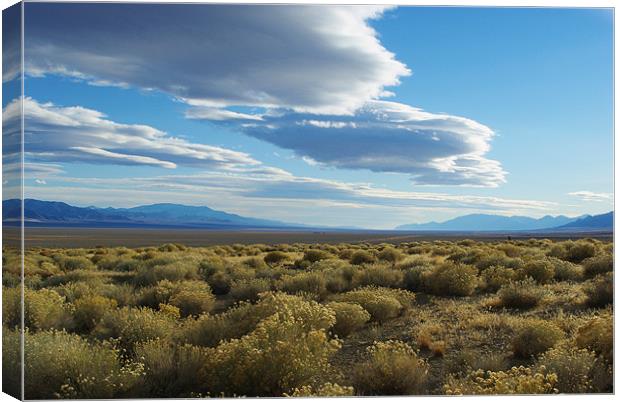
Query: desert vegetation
[416,318]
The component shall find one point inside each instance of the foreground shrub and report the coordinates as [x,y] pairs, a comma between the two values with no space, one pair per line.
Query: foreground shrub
[573,367]
[598,335]
[392,368]
[382,303]
[349,318]
[134,325]
[600,292]
[327,389]
[450,279]
[89,310]
[280,355]
[520,295]
[517,380]
[541,271]
[192,298]
[43,309]
[566,271]
[62,365]
[598,265]
[170,370]
[535,337]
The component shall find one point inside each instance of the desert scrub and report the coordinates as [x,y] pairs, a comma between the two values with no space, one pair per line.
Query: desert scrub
[349,318]
[170,370]
[392,368]
[316,255]
[89,310]
[178,270]
[450,279]
[573,367]
[327,389]
[520,295]
[191,297]
[280,355]
[383,304]
[134,325]
[566,271]
[62,365]
[598,265]
[541,271]
[74,263]
[598,335]
[600,292]
[249,289]
[43,309]
[517,380]
[391,255]
[494,277]
[379,275]
[304,282]
[535,337]
[275,258]
[361,257]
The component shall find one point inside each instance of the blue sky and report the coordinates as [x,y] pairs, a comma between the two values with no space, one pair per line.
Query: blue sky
[358,116]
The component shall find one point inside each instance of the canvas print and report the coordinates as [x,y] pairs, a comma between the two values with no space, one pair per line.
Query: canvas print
[229,200]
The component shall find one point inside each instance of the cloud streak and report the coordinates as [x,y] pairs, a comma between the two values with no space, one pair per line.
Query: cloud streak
[76,134]
[592,196]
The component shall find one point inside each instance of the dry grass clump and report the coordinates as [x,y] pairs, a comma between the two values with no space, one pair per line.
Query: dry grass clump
[349,318]
[392,368]
[535,337]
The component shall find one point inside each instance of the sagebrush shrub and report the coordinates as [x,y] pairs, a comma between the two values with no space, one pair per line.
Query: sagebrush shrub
[535,337]
[361,257]
[493,278]
[573,367]
[600,264]
[62,365]
[304,282]
[89,310]
[249,289]
[392,368]
[390,254]
[600,292]
[566,271]
[316,255]
[43,309]
[520,295]
[541,271]
[598,335]
[280,355]
[275,258]
[451,279]
[382,303]
[349,318]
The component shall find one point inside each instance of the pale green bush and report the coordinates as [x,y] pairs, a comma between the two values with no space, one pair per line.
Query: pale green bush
[535,337]
[89,310]
[349,318]
[304,282]
[382,303]
[451,279]
[392,368]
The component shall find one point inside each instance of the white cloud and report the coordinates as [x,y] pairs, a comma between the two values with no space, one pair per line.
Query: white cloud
[319,59]
[435,149]
[592,196]
[77,134]
[40,181]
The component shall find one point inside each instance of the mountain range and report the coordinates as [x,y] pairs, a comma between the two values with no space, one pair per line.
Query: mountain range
[54,213]
[485,222]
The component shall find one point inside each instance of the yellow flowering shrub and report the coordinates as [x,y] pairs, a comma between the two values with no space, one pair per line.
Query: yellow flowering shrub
[349,317]
[392,368]
[517,380]
[327,389]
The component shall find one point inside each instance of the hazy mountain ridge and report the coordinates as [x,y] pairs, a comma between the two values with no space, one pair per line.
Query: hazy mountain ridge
[486,222]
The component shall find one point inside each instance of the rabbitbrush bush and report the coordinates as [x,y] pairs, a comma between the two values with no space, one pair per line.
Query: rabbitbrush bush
[517,380]
[520,295]
[349,318]
[62,365]
[382,303]
[573,367]
[392,368]
[305,282]
[379,275]
[601,291]
[541,271]
[44,309]
[451,279]
[598,335]
[598,265]
[283,353]
[535,337]
[327,389]
[89,310]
